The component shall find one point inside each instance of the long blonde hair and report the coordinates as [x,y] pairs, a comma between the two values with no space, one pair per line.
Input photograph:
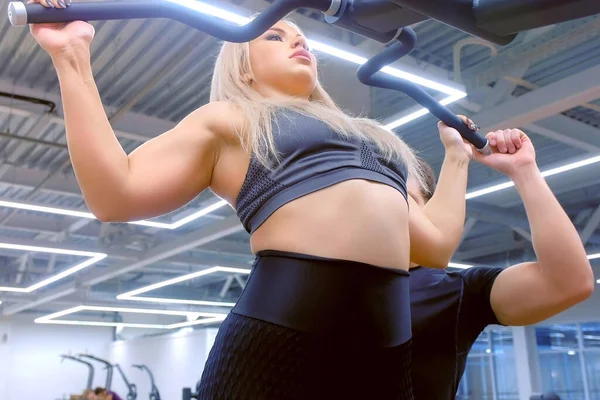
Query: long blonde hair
[228,84]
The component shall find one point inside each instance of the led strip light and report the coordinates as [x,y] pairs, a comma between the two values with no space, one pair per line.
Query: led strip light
[132,295]
[89,215]
[93,258]
[207,318]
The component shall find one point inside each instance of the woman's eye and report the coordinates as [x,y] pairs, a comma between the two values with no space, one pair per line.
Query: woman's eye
[274,37]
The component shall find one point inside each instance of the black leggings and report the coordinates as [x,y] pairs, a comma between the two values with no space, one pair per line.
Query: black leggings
[309,328]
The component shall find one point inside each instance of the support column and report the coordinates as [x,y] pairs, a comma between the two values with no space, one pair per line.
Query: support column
[527,362]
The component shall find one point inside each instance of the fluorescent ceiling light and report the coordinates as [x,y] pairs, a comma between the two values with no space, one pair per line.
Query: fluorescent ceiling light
[206,317]
[593,256]
[93,258]
[88,215]
[545,174]
[177,301]
[132,294]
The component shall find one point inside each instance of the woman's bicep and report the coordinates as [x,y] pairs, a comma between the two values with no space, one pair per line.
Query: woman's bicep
[173,168]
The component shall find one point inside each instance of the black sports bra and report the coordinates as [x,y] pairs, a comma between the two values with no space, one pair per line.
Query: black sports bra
[312,157]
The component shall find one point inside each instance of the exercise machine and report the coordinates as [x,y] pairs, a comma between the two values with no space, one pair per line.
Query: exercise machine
[107,365]
[497,21]
[90,379]
[154,394]
[131,387]
[545,396]
[187,393]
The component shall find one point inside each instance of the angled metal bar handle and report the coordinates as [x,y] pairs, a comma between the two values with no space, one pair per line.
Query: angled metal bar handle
[21,14]
[370,74]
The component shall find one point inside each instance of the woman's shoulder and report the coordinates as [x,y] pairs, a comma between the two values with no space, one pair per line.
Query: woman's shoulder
[221,117]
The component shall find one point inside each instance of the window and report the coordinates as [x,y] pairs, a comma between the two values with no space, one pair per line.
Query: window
[490,372]
[569,358]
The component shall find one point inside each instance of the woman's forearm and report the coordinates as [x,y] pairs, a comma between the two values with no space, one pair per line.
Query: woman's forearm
[447,207]
[100,163]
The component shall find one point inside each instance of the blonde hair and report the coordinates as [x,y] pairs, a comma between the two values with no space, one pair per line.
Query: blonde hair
[228,84]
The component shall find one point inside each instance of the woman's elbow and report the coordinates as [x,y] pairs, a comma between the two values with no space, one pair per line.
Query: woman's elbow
[108,216]
[114,211]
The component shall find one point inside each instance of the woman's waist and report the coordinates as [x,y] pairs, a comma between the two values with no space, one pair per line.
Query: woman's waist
[349,300]
[343,222]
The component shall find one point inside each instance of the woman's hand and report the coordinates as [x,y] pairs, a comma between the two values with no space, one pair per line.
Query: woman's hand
[453,141]
[61,38]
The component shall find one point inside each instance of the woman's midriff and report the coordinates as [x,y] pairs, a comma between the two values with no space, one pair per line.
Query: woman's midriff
[355,220]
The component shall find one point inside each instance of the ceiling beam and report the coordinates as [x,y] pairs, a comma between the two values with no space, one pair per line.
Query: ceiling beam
[498,248]
[130,125]
[505,217]
[544,102]
[565,35]
[587,136]
[558,127]
[591,226]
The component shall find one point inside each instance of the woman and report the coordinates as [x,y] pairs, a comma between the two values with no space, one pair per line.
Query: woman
[325,313]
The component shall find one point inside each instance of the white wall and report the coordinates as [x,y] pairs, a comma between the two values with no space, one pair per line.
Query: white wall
[31,368]
[176,360]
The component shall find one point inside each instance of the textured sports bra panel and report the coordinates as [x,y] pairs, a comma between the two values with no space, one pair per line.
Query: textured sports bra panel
[311,157]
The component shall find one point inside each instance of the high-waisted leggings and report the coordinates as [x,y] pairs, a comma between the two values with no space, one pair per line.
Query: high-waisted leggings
[308,327]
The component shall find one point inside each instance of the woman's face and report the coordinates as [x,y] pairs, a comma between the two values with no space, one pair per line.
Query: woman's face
[281,63]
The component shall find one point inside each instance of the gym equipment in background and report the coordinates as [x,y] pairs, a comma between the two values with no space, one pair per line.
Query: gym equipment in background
[131,387]
[154,394]
[90,379]
[107,365]
[187,393]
